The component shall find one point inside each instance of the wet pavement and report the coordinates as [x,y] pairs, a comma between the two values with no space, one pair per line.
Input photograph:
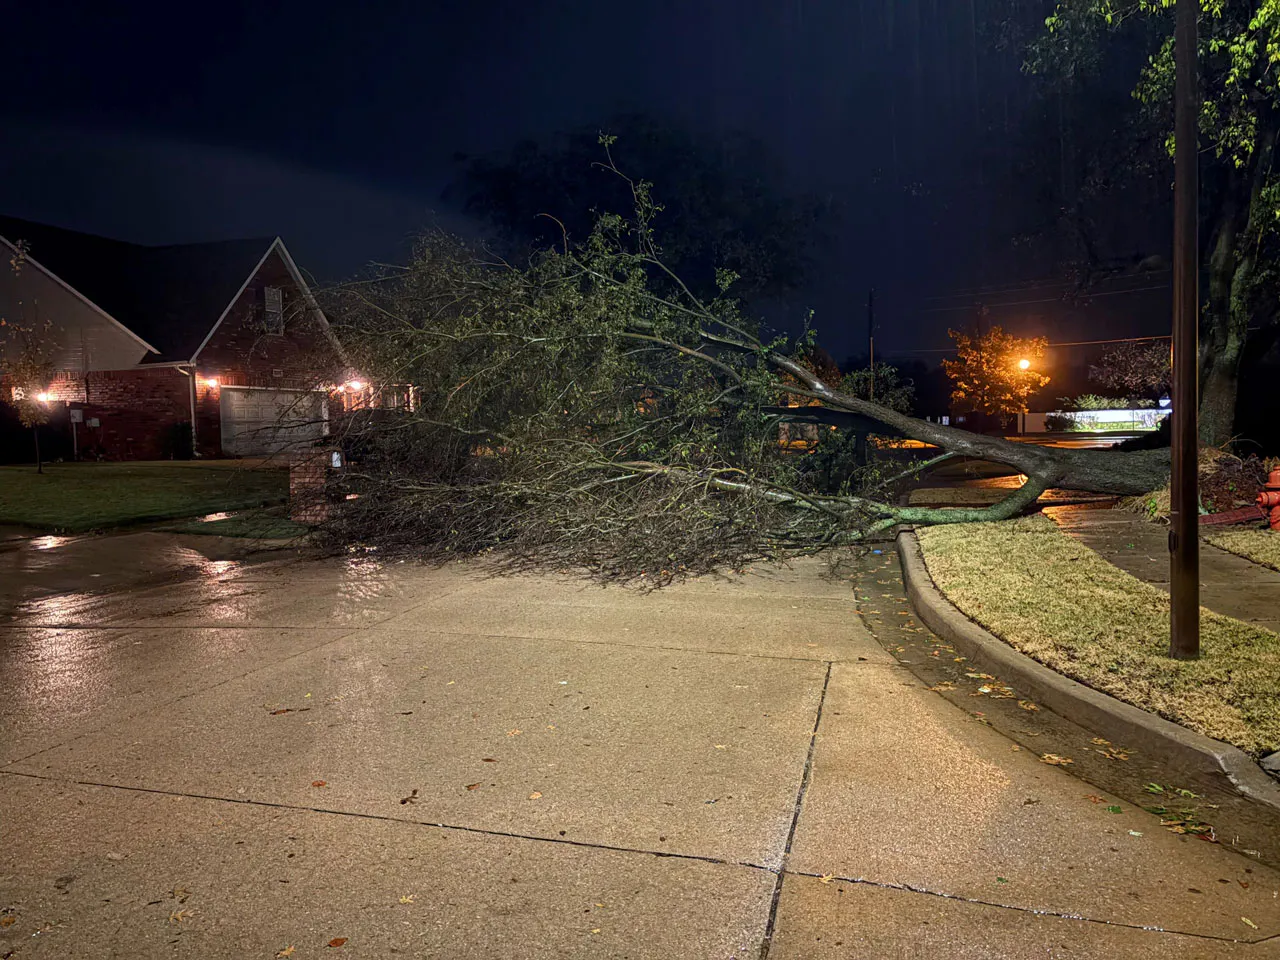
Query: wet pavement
[1229,584]
[37,565]
[325,759]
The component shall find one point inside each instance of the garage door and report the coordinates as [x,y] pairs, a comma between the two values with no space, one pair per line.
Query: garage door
[257,422]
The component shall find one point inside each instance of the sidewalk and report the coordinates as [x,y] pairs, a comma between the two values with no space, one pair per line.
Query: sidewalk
[1229,584]
[329,760]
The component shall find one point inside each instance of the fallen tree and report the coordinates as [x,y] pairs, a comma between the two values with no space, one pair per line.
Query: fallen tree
[588,410]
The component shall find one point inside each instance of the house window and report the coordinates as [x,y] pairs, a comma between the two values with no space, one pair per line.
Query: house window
[273,310]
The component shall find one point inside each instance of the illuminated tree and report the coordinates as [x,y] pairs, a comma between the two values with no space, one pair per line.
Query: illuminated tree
[29,377]
[25,367]
[994,374]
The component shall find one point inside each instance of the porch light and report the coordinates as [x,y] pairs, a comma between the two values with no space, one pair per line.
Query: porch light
[212,383]
[355,386]
[42,397]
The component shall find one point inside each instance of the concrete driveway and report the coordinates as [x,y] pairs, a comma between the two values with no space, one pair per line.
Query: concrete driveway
[327,760]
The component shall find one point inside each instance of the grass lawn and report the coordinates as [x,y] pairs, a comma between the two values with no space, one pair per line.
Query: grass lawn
[1059,602]
[1260,546]
[79,497]
[268,523]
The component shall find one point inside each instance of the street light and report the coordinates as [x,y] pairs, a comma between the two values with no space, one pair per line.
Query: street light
[1024,364]
[42,397]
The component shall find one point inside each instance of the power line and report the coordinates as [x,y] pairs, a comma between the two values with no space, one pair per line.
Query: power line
[1023,303]
[1067,343]
[1022,285]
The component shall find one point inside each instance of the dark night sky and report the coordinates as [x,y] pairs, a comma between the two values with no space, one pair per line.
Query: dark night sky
[335,127]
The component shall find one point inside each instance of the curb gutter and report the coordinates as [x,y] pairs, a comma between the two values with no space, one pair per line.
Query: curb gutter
[1068,698]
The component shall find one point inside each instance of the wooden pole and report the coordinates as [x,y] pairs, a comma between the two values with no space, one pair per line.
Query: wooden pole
[1184,537]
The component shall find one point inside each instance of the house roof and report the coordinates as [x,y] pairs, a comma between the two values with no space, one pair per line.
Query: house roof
[169,296]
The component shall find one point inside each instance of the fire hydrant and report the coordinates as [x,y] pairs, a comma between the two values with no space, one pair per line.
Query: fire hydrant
[1269,498]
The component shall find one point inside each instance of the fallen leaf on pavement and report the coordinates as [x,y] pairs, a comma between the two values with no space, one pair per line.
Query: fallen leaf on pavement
[1249,922]
[1100,742]
[408,898]
[411,798]
[472,786]
[337,941]
[1055,760]
[286,952]
[319,783]
[1135,833]
[1028,706]
[488,760]
[180,915]
[535,795]
[1115,808]
[8,920]
[721,746]
[596,930]
[276,713]
[826,878]
[514,733]
[979,676]
[1093,798]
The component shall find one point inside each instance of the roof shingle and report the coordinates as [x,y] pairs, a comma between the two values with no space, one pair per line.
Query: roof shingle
[169,296]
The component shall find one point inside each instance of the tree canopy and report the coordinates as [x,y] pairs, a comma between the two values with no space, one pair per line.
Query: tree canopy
[574,412]
[723,207]
[994,373]
[1239,50]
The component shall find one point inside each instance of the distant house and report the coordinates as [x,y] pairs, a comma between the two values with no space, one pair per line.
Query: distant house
[212,349]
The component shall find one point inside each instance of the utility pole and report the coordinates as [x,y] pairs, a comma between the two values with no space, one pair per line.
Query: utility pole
[871,339]
[1184,537]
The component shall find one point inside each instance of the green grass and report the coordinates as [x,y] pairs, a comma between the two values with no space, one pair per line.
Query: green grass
[1059,602]
[268,523]
[1260,546]
[80,497]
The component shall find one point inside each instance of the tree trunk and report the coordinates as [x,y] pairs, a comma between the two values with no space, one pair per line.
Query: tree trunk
[1098,471]
[35,430]
[1225,326]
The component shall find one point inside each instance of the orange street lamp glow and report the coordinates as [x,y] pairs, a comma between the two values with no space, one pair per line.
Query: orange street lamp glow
[42,397]
[355,386]
[1024,364]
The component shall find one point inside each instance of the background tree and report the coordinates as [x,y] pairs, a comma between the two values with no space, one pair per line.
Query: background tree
[724,207]
[25,364]
[987,375]
[573,412]
[1239,122]
[1139,371]
[29,377]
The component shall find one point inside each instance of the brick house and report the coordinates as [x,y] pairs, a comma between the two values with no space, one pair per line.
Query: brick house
[211,349]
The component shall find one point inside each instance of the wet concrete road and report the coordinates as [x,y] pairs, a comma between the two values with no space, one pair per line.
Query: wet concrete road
[34,566]
[340,759]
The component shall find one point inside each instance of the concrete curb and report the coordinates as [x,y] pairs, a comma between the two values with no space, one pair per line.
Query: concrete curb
[1112,718]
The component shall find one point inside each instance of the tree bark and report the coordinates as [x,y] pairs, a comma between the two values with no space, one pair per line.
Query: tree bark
[1098,471]
[35,431]
[1225,326]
